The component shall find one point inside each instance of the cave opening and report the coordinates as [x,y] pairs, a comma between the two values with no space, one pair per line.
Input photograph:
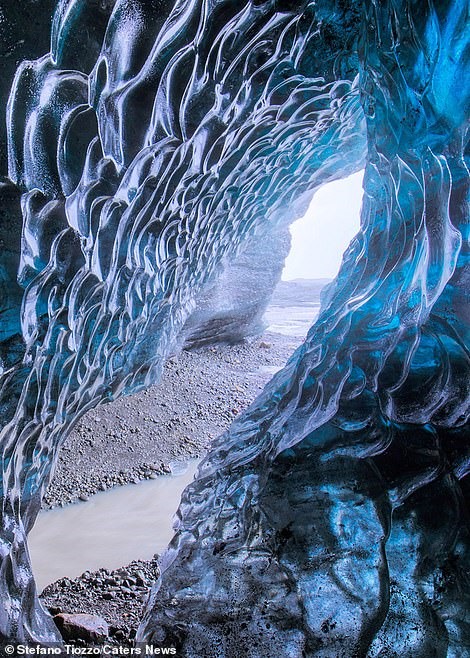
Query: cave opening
[321,236]
[318,240]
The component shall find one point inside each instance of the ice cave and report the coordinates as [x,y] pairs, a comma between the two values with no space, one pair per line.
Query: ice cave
[154,154]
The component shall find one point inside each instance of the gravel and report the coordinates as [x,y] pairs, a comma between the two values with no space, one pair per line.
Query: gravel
[139,437]
[118,596]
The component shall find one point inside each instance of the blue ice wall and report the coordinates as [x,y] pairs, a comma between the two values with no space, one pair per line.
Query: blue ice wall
[155,148]
[332,519]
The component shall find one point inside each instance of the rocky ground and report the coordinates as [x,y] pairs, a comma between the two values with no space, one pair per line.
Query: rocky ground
[139,437]
[118,597]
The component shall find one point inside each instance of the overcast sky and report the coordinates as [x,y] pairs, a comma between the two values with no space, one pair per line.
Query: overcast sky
[322,235]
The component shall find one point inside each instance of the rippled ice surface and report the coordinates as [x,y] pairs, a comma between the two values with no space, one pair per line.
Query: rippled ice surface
[147,151]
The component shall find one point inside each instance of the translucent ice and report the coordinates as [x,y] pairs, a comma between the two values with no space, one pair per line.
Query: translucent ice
[156,152]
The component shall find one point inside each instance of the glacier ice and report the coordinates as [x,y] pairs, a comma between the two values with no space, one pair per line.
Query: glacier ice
[156,153]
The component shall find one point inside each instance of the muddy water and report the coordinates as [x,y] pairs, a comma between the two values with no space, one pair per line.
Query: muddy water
[111,529]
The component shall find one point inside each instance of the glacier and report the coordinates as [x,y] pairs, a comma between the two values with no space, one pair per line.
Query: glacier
[155,154]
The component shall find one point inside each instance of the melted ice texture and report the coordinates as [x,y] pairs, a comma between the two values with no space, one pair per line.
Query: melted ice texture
[158,148]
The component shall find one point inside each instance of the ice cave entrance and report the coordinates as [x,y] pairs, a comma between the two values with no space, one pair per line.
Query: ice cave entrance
[321,236]
[131,522]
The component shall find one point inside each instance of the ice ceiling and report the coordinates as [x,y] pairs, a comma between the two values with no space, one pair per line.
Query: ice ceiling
[156,157]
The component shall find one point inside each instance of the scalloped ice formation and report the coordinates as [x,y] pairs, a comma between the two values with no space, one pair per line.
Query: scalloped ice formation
[156,153]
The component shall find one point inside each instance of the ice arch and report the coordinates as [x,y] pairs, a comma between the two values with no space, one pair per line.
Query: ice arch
[155,147]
